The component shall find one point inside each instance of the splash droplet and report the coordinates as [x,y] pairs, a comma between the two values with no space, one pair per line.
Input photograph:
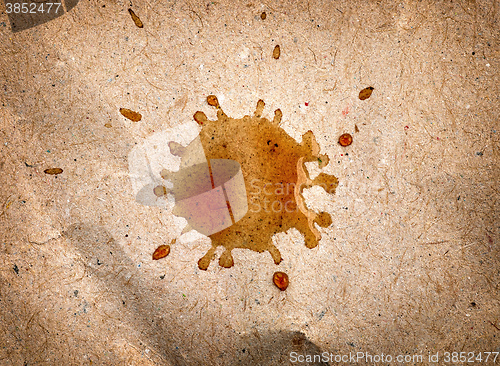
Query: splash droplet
[366,93]
[280,279]
[345,139]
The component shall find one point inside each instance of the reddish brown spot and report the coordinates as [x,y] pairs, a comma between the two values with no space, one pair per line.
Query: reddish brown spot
[162,251]
[53,171]
[276,52]
[345,139]
[366,93]
[263,16]
[280,279]
[136,19]
[131,115]
[213,101]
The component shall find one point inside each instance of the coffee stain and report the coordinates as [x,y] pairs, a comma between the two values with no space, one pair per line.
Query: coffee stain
[345,139]
[366,93]
[275,175]
[136,19]
[53,171]
[163,250]
[130,114]
[280,279]
[213,101]
[276,52]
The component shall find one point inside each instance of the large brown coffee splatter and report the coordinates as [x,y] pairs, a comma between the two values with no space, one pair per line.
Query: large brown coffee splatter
[273,166]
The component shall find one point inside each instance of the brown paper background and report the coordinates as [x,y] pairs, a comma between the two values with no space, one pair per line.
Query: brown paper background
[410,264]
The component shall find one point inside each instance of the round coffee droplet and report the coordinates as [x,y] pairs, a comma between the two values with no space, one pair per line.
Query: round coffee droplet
[280,279]
[345,139]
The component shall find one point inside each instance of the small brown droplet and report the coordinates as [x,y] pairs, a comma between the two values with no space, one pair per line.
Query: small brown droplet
[356,129]
[136,19]
[345,139]
[263,16]
[53,171]
[161,252]
[276,52]
[108,125]
[366,93]
[131,115]
[213,101]
[280,279]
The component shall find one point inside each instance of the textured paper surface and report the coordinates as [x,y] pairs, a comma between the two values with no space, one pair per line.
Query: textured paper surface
[410,263]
